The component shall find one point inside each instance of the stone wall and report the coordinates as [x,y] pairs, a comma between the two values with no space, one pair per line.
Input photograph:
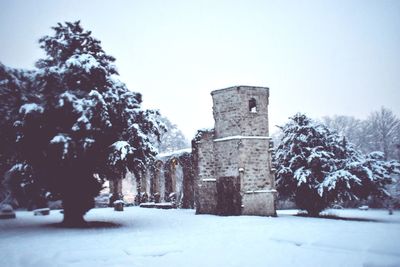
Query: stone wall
[204,168]
[206,197]
[203,152]
[256,162]
[259,203]
[227,157]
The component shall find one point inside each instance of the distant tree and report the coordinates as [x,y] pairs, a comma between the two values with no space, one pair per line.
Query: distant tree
[173,139]
[383,132]
[85,126]
[348,126]
[317,167]
[379,132]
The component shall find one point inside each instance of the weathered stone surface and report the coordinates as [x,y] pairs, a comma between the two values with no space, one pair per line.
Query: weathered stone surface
[238,147]
[233,116]
[206,201]
[258,203]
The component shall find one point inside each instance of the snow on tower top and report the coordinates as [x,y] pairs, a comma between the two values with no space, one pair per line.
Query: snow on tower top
[240,87]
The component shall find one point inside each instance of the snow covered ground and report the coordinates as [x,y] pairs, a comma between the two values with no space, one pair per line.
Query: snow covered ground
[151,237]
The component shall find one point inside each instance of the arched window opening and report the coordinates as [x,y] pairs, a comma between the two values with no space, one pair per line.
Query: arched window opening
[253,105]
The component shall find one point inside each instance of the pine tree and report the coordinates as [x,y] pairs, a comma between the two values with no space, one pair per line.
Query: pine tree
[317,167]
[85,126]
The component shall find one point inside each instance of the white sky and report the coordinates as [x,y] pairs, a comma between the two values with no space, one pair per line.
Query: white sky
[318,57]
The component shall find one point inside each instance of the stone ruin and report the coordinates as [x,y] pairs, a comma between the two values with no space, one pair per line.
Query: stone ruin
[233,172]
[228,171]
[171,179]
[168,180]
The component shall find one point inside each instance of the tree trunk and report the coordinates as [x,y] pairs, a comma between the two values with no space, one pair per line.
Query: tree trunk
[75,208]
[116,191]
[73,218]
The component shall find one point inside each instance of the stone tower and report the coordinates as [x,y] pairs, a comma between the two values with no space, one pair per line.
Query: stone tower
[234,174]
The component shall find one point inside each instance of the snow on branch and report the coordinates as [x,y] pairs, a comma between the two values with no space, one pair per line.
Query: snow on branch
[119,152]
[30,108]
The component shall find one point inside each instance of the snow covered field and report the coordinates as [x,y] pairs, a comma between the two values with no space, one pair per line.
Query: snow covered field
[150,237]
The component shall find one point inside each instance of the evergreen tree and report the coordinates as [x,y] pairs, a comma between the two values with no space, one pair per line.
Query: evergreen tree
[85,126]
[317,167]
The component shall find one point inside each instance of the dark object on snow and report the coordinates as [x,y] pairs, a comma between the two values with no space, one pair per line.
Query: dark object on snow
[41,212]
[7,212]
[119,205]
[164,206]
[364,207]
[148,205]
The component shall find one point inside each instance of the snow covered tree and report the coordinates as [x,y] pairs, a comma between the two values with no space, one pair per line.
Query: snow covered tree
[318,167]
[173,139]
[85,126]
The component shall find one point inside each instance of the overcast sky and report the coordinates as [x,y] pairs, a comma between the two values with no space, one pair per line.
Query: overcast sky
[317,57]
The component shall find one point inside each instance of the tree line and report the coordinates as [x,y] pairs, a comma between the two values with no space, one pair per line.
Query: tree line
[379,132]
